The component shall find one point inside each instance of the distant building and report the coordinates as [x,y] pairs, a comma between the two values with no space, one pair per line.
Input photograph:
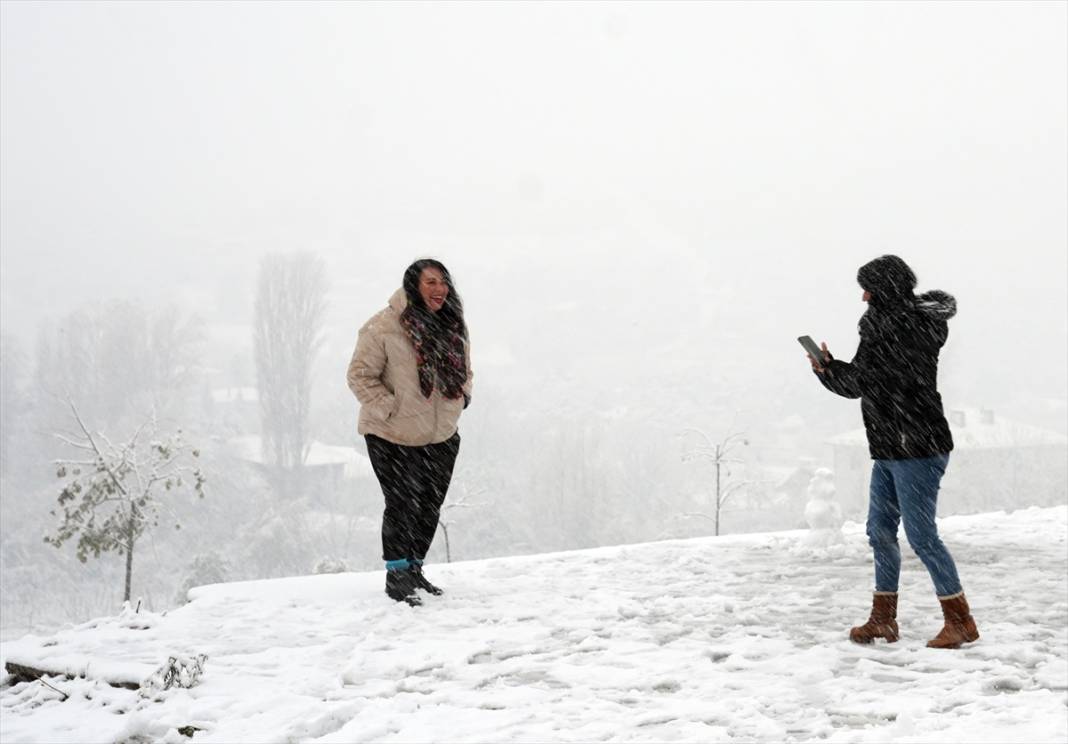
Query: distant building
[792,483]
[996,464]
[326,467]
[783,494]
[234,409]
[235,395]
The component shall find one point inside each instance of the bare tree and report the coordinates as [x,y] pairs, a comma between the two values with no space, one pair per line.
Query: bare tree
[172,354]
[117,360]
[718,454]
[11,402]
[462,500]
[111,492]
[289,313]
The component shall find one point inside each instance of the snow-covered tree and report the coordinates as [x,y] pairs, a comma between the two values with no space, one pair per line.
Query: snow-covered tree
[113,493]
[205,568]
[330,565]
[719,454]
[289,314]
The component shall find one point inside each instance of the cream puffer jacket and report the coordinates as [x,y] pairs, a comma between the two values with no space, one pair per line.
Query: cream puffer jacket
[385,379]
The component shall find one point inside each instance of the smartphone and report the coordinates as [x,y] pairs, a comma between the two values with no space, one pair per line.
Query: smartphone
[815,351]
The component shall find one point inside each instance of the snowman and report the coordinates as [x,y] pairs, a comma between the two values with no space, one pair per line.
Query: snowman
[822,512]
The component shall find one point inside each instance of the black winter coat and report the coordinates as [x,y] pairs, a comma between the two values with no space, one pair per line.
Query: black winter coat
[895,375]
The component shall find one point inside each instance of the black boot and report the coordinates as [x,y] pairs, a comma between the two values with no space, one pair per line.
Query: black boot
[401,586]
[421,582]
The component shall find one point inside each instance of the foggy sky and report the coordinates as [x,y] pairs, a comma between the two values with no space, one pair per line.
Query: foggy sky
[717,167]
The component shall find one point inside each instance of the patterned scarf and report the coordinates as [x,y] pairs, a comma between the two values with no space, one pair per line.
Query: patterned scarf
[439,351]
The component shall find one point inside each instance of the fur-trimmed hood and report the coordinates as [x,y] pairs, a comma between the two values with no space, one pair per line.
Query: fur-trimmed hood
[937,304]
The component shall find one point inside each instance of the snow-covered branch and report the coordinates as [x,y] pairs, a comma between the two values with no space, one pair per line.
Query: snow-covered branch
[109,502]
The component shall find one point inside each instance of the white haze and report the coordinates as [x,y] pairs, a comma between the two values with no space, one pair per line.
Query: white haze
[643,205]
[717,169]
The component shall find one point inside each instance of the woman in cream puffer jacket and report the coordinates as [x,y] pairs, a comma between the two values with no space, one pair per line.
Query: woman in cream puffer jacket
[411,372]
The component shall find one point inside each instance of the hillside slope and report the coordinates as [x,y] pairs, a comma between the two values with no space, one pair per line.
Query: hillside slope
[713,639]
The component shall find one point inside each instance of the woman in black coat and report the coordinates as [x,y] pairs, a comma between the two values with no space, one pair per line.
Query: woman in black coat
[895,375]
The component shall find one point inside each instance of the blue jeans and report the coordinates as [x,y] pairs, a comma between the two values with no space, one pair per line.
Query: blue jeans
[908,490]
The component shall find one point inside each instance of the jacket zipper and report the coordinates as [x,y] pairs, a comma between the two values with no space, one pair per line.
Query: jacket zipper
[902,438]
[434,391]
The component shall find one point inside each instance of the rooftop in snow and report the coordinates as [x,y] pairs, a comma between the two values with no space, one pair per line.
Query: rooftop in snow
[977,428]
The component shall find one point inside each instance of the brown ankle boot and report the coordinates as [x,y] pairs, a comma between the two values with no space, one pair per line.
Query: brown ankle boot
[883,620]
[959,625]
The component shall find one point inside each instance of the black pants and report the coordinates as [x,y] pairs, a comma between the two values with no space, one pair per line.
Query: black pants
[414,481]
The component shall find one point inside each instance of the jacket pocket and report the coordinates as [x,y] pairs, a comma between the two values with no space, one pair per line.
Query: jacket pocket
[394,411]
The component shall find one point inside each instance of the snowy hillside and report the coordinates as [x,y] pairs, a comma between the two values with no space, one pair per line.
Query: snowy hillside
[714,639]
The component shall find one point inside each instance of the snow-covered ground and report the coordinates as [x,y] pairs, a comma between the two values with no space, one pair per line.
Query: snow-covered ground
[713,639]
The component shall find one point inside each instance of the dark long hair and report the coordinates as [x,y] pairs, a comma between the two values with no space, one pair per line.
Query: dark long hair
[451,314]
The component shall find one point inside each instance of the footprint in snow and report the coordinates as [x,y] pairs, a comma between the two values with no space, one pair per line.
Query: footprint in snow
[1002,685]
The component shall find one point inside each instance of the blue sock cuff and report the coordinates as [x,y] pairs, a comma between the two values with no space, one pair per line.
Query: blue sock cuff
[398,565]
[416,561]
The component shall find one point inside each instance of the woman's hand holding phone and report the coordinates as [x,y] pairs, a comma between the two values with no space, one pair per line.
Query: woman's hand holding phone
[816,354]
[821,368]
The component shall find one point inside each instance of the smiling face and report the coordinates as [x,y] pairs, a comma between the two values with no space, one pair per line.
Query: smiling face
[433,289]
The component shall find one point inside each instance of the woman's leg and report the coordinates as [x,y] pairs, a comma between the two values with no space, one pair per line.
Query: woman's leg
[884,515]
[393,465]
[436,466]
[918,481]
